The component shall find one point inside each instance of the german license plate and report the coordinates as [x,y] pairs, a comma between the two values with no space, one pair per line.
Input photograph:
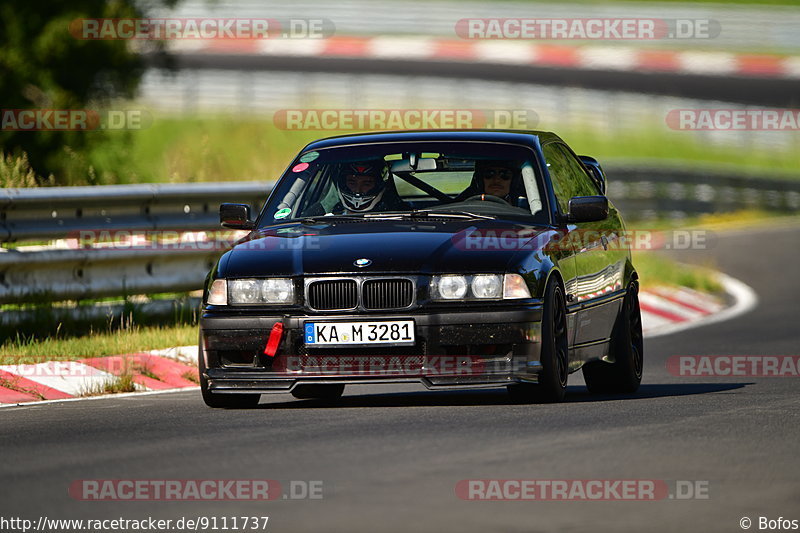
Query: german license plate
[364,333]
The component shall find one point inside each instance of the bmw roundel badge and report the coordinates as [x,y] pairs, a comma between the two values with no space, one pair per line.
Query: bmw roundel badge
[364,262]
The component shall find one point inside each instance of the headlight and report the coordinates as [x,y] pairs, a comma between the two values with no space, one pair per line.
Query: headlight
[487,286]
[261,291]
[451,287]
[479,287]
[245,291]
[218,293]
[278,290]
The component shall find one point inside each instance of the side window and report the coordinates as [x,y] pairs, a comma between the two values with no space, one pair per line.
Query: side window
[563,184]
[567,174]
[583,182]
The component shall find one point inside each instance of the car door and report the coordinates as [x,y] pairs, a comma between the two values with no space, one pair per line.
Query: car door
[593,291]
[564,189]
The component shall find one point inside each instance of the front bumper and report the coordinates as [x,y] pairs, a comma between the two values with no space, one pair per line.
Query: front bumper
[453,349]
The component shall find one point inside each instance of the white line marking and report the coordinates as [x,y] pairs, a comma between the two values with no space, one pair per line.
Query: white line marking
[608,57]
[791,67]
[504,52]
[182,354]
[104,397]
[399,47]
[707,62]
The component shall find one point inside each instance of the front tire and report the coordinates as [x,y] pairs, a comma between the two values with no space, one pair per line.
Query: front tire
[624,375]
[552,384]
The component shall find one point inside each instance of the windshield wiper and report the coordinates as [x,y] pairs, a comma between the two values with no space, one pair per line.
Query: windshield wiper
[452,214]
[396,216]
[329,218]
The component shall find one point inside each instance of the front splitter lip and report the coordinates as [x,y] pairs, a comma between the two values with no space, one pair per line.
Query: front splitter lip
[269,382]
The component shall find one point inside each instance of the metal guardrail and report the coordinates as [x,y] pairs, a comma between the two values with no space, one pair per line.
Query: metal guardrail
[58,274]
[55,212]
[645,193]
[38,274]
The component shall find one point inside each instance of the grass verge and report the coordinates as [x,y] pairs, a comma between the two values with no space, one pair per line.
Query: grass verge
[61,347]
[116,385]
[232,148]
[656,270]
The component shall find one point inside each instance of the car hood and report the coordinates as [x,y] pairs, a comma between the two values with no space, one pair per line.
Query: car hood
[387,246]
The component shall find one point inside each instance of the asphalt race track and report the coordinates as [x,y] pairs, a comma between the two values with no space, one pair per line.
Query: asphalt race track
[390,458]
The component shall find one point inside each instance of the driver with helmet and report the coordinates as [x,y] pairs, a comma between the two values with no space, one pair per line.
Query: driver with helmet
[362,187]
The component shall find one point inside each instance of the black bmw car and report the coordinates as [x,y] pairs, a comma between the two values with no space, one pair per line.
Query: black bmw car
[449,259]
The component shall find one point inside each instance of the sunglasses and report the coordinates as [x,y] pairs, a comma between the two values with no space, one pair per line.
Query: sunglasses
[503,173]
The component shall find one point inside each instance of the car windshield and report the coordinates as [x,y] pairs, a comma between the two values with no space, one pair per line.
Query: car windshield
[466,179]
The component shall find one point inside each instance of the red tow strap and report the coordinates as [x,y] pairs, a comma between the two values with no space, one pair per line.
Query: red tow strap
[275,337]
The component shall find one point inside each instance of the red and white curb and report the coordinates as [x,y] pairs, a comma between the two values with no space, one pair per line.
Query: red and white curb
[591,57]
[664,307]
[60,380]
[664,310]
[669,310]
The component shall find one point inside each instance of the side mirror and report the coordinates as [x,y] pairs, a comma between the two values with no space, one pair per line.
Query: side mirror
[595,171]
[587,208]
[235,216]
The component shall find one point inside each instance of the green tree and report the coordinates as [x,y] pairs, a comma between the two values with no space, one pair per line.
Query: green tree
[43,66]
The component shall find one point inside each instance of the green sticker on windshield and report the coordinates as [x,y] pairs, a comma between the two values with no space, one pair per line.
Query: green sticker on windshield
[309,157]
[282,213]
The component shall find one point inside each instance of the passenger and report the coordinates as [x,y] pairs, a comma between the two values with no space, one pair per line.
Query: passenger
[498,178]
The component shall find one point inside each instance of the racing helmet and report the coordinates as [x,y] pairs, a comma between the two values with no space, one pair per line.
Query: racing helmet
[361,200]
